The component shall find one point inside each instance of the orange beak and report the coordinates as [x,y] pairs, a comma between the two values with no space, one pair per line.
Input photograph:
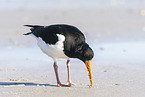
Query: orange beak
[88,65]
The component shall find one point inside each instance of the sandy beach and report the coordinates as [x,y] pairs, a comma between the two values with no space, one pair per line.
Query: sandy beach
[115,30]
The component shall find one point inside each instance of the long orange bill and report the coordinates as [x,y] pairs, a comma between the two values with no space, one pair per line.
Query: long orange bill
[88,65]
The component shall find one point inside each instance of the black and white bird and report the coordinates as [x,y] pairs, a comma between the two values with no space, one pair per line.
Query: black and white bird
[63,41]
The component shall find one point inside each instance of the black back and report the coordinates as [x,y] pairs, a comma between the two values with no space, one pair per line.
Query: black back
[73,36]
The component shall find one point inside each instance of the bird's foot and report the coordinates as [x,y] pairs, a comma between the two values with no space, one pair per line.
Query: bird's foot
[59,84]
[70,83]
[62,85]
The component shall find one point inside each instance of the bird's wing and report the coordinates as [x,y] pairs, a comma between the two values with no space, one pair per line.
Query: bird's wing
[44,32]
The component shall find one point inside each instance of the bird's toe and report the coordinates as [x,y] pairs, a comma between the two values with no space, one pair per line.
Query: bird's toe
[70,83]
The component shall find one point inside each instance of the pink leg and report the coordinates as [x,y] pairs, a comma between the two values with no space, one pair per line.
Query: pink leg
[56,73]
[68,69]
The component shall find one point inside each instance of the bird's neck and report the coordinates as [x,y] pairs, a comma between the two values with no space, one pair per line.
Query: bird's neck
[74,51]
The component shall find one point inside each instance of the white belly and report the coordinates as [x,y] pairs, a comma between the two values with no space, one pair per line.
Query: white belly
[54,51]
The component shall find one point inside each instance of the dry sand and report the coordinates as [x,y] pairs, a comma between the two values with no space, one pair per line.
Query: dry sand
[115,34]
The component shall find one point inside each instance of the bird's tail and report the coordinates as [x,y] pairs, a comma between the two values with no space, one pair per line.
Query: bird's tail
[28,33]
[33,27]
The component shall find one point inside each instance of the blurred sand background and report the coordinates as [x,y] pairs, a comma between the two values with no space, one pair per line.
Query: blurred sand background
[115,29]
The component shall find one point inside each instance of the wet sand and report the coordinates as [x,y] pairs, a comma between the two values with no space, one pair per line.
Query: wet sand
[115,34]
[26,72]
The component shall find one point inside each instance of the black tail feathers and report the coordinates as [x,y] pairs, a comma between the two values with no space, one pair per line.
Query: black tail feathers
[28,33]
[34,26]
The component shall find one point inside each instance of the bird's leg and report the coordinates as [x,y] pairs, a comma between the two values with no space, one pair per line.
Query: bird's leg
[68,70]
[56,73]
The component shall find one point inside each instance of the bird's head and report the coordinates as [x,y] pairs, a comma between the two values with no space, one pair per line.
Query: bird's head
[85,53]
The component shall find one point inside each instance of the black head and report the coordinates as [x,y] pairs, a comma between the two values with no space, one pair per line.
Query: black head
[84,52]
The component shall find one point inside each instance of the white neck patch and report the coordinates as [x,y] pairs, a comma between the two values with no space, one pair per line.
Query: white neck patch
[61,39]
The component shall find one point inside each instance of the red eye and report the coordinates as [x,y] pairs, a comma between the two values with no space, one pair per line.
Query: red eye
[85,55]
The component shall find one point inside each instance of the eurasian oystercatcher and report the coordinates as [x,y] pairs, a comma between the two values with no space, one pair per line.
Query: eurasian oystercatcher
[63,41]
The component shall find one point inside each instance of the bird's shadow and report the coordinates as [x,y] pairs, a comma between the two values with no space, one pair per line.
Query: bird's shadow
[27,84]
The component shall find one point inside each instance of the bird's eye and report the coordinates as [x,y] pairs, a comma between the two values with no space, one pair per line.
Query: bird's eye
[85,55]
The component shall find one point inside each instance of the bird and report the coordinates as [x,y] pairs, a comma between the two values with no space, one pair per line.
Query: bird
[63,41]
